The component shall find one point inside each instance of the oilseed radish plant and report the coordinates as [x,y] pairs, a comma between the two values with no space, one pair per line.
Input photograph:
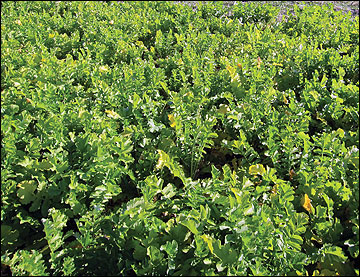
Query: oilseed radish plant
[154,138]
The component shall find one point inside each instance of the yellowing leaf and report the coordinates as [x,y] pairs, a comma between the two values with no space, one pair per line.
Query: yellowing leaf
[257,169]
[112,114]
[284,99]
[208,240]
[231,71]
[306,203]
[81,112]
[172,120]
[162,159]
[174,167]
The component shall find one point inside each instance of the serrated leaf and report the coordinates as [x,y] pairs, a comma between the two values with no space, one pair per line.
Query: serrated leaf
[173,166]
[227,254]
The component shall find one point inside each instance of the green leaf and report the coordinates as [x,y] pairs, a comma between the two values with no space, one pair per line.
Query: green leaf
[155,255]
[171,248]
[169,191]
[53,229]
[191,225]
[174,167]
[135,100]
[26,191]
[27,162]
[8,235]
[215,173]
[28,263]
[45,165]
[334,253]
[296,242]
[68,266]
[226,253]
[139,252]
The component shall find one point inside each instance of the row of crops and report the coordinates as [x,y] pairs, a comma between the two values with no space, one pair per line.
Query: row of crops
[151,138]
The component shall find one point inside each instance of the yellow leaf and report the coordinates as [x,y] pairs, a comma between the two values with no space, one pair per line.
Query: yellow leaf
[208,240]
[162,159]
[284,99]
[257,169]
[172,120]
[231,71]
[112,114]
[306,203]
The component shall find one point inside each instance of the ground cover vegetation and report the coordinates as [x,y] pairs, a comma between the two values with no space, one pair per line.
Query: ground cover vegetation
[151,138]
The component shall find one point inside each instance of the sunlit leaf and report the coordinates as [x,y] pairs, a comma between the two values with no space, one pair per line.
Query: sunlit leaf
[26,191]
[191,225]
[112,114]
[257,169]
[208,240]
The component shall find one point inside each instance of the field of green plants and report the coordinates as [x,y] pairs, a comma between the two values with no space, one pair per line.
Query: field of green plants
[152,138]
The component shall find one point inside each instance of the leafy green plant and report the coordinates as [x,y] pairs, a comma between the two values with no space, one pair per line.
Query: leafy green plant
[156,138]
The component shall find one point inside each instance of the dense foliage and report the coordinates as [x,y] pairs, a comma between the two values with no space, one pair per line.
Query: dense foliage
[151,138]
